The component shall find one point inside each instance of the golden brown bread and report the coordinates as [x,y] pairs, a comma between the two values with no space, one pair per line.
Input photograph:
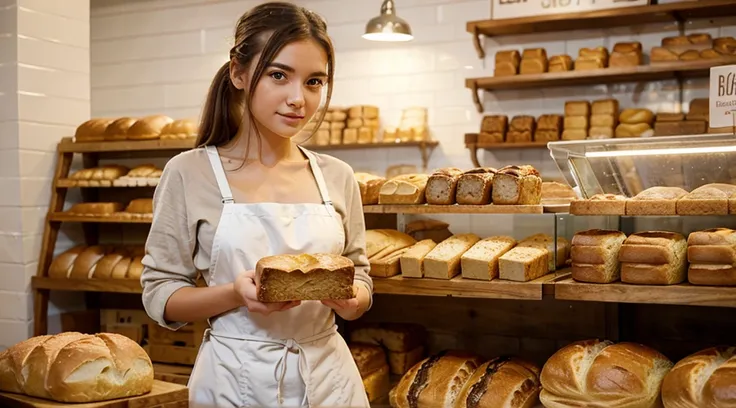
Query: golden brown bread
[560,63]
[605,107]
[654,258]
[503,382]
[625,59]
[282,278]
[118,129]
[708,199]
[441,186]
[368,357]
[104,267]
[404,189]
[370,187]
[140,207]
[92,130]
[494,124]
[574,134]
[62,265]
[690,55]
[474,186]
[533,66]
[711,254]
[381,243]
[601,373]
[577,108]
[634,116]
[86,261]
[600,204]
[702,379]
[655,201]
[517,185]
[72,367]
[148,127]
[94,209]
[553,191]
[179,129]
[594,255]
[590,63]
[661,54]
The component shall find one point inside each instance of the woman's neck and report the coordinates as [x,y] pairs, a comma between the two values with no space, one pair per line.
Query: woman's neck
[262,146]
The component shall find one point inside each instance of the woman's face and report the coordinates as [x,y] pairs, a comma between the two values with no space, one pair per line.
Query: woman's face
[290,91]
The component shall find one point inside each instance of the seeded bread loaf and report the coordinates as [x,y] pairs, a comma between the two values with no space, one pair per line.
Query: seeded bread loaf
[282,278]
[711,255]
[443,262]
[404,189]
[654,258]
[503,382]
[594,255]
[441,186]
[599,204]
[517,185]
[709,199]
[412,261]
[474,186]
[655,201]
[481,260]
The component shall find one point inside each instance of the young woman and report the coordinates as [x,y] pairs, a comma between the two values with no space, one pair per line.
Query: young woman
[248,191]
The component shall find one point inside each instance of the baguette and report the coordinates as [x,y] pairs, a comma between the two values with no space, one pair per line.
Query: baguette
[443,261]
[412,261]
[655,201]
[481,260]
[442,185]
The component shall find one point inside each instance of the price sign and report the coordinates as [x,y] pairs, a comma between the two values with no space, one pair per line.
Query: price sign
[722,96]
[502,9]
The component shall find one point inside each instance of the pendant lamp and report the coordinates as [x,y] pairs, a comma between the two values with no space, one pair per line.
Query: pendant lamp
[388,26]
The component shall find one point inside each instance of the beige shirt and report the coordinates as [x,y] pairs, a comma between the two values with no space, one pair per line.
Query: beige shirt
[187,207]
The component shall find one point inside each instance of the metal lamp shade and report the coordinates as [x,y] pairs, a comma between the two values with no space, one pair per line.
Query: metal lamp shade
[388,26]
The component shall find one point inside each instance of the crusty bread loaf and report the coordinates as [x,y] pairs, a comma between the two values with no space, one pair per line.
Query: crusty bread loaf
[404,189]
[282,278]
[62,265]
[85,263]
[368,357]
[654,258]
[594,255]
[574,134]
[148,127]
[435,381]
[636,115]
[599,373]
[118,129]
[709,199]
[494,124]
[702,379]
[443,262]
[441,186]
[104,267]
[179,129]
[600,204]
[711,255]
[503,382]
[481,260]
[377,383]
[381,243]
[655,201]
[661,54]
[370,187]
[72,367]
[474,186]
[92,130]
[560,63]
[412,261]
[395,337]
[94,209]
[605,107]
[555,192]
[401,362]
[516,185]
[522,264]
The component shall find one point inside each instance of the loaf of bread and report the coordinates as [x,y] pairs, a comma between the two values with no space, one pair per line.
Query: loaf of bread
[708,199]
[71,367]
[725,45]
[594,255]
[699,109]
[400,362]
[600,373]
[577,122]
[435,381]
[494,124]
[669,117]
[370,187]
[140,176]
[523,263]
[654,258]
[655,201]
[516,185]
[363,111]
[662,54]
[634,116]
[503,382]
[533,65]
[435,230]
[412,261]
[600,204]
[554,192]
[690,55]
[601,132]
[548,128]
[443,261]
[711,255]
[404,343]
[507,63]
[139,208]
[560,63]
[94,209]
[282,278]
[381,243]
[481,260]
[605,107]
[118,129]
[404,189]
[702,379]
[179,129]
[626,59]
[368,357]
[98,176]
[442,185]
[574,134]
[474,186]
[92,130]
[577,108]
[624,130]
[149,127]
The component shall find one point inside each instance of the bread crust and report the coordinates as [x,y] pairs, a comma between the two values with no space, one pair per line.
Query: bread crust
[281,278]
[702,379]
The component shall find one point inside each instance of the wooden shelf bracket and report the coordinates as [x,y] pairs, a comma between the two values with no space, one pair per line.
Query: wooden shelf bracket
[473,148]
[478,43]
[476,97]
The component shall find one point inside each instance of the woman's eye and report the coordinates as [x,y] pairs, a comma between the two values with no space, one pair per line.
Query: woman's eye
[277,76]
[315,82]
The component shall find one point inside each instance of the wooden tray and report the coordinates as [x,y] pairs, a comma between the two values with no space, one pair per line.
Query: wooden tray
[164,394]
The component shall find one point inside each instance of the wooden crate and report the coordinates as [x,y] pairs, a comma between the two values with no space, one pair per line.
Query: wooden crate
[175,347]
[177,374]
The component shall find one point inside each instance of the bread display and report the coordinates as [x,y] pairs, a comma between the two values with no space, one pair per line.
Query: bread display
[600,204]
[373,368]
[441,186]
[507,63]
[474,186]
[533,61]
[702,379]
[412,261]
[179,129]
[577,120]
[594,255]
[654,258]
[516,185]
[103,176]
[554,192]
[145,175]
[481,260]
[443,262]
[560,63]
[404,343]
[708,199]
[521,129]
[92,130]
[549,128]
[94,209]
[404,189]
[711,255]
[655,201]
[283,278]
[72,367]
[435,381]
[98,262]
[384,248]
[601,373]
[370,187]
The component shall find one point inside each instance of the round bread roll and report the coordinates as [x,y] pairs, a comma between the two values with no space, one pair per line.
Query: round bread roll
[634,116]
[595,373]
[704,379]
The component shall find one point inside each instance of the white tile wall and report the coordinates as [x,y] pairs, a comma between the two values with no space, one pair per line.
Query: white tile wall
[44,95]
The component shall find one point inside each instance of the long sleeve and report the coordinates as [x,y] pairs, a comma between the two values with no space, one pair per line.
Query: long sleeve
[168,263]
[354,224]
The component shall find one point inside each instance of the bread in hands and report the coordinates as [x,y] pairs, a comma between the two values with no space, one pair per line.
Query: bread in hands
[72,367]
[702,379]
[443,261]
[282,278]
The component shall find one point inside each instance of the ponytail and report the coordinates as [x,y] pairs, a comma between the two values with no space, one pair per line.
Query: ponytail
[223,110]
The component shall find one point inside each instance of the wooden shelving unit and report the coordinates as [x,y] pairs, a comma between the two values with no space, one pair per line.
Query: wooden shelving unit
[620,17]
[453,209]
[87,285]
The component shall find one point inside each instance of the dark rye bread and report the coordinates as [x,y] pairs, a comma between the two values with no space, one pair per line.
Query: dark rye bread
[435,381]
[283,278]
[504,382]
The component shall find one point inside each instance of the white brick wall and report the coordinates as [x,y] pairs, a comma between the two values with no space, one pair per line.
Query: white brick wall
[44,94]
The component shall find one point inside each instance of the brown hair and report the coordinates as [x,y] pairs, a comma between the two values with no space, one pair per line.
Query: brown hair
[264,29]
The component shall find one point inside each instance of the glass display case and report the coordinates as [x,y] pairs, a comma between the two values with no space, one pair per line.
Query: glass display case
[629,166]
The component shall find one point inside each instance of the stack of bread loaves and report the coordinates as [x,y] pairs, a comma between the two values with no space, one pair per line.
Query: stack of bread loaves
[654,258]
[145,128]
[711,254]
[693,123]
[98,262]
[283,278]
[362,125]
[577,120]
[403,343]
[72,367]
[594,254]
[549,128]
[591,58]
[635,123]
[626,54]
[603,119]
[507,63]
[521,129]
[373,369]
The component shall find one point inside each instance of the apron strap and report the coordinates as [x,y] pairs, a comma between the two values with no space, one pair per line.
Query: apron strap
[227,195]
[317,176]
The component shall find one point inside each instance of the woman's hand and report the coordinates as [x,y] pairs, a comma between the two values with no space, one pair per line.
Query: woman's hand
[348,309]
[245,288]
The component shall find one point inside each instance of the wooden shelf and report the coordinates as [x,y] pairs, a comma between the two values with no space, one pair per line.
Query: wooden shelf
[683,294]
[469,288]
[88,285]
[453,209]
[503,146]
[430,143]
[64,217]
[620,17]
[70,183]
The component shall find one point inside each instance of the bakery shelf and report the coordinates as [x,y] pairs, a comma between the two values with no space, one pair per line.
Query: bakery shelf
[453,209]
[682,294]
[65,217]
[469,288]
[88,285]
[502,146]
[625,16]
[430,143]
[70,183]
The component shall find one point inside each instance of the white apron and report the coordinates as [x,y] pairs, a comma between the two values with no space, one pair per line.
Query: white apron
[293,358]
